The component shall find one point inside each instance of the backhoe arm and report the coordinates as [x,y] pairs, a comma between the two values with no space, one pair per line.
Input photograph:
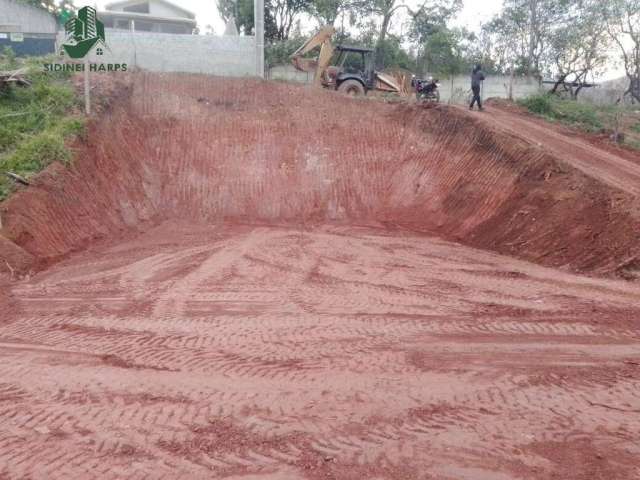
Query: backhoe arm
[321,39]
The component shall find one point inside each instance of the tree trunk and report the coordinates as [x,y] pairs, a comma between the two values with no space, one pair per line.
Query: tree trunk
[560,80]
[634,87]
[423,68]
[381,38]
[582,79]
[533,34]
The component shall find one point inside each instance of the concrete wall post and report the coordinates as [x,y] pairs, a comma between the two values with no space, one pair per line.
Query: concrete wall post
[258,15]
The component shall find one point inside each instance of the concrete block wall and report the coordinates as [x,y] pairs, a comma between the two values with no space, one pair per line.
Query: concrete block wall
[494,85]
[288,73]
[160,52]
[607,92]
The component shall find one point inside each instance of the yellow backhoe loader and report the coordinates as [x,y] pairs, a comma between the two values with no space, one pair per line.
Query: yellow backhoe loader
[353,71]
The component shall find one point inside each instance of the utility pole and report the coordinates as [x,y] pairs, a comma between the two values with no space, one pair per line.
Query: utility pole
[258,31]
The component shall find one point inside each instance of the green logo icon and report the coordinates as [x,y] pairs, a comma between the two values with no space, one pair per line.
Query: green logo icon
[83,32]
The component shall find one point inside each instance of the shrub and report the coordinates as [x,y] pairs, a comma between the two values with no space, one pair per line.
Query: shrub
[279,52]
[540,104]
[32,156]
[72,126]
[36,153]
[8,59]
[35,121]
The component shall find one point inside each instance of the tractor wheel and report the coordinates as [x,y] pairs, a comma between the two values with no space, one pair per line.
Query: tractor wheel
[352,88]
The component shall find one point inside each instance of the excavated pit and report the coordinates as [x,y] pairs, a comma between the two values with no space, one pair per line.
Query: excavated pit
[250,280]
[213,150]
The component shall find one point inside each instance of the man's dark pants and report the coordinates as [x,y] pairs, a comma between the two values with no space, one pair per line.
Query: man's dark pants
[476,96]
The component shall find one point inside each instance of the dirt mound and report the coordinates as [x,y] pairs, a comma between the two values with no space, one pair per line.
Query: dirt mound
[212,150]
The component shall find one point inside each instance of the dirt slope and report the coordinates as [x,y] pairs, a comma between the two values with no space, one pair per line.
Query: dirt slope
[214,150]
[597,163]
[257,282]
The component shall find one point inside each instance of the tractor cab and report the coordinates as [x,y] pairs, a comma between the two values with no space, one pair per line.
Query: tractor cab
[351,70]
[355,63]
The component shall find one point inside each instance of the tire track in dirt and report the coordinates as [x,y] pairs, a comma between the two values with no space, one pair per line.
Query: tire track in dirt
[273,335]
[214,268]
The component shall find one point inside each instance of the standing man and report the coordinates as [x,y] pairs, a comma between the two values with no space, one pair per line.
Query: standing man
[476,79]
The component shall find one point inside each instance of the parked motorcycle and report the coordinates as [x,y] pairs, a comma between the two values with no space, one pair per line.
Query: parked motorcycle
[426,90]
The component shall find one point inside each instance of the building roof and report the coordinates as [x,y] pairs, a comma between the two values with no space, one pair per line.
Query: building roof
[146,16]
[124,3]
[18,17]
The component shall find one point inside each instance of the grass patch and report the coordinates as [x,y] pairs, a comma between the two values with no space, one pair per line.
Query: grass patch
[582,115]
[633,144]
[586,116]
[35,121]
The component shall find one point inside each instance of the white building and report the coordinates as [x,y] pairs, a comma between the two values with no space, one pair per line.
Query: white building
[157,16]
[26,29]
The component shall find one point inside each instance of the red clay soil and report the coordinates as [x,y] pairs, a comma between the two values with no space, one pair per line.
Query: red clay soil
[214,150]
[248,280]
[14,258]
[601,140]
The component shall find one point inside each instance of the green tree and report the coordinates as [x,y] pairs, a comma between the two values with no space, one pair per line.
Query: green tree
[327,11]
[577,47]
[242,12]
[53,6]
[279,16]
[367,13]
[392,54]
[284,14]
[520,33]
[623,27]
[447,52]
[429,29]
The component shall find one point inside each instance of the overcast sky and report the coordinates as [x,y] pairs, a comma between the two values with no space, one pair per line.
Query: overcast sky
[474,13]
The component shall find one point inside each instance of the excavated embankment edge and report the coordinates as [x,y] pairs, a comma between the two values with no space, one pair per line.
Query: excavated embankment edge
[226,150]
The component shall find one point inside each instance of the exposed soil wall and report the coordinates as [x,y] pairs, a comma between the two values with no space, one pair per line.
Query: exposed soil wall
[212,150]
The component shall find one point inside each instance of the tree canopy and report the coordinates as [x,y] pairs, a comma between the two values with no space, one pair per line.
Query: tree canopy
[54,6]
